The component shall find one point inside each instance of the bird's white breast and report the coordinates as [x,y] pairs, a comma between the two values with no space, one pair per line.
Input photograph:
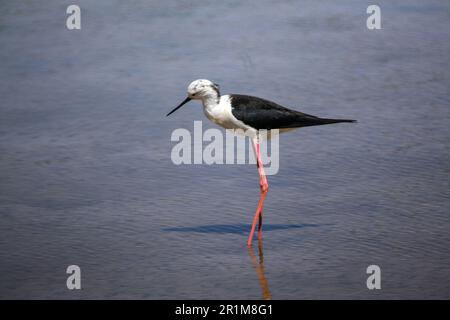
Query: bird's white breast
[220,113]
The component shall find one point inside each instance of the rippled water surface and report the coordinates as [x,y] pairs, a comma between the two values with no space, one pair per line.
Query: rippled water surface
[86,176]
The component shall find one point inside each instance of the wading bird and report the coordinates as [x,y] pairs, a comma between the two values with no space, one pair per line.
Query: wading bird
[249,114]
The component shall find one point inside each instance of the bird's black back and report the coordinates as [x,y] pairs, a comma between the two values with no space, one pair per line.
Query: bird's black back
[263,114]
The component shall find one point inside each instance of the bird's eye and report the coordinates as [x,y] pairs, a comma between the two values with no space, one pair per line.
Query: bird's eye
[193,94]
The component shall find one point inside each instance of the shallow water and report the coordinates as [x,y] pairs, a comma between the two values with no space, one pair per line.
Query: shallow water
[86,176]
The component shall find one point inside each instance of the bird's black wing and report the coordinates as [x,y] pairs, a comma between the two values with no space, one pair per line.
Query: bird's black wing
[263,114]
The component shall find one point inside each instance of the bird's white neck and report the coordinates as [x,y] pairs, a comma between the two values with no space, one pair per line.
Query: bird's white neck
[210,101]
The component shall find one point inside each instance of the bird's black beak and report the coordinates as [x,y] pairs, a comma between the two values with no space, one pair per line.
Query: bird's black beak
[181,104]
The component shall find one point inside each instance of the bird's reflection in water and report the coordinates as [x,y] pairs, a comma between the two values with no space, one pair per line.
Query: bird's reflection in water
[259,266]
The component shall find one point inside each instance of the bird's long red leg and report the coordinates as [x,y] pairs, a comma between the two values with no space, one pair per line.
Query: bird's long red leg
[264,186]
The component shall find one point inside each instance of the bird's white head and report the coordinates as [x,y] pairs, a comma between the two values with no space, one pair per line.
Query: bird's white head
[201,89]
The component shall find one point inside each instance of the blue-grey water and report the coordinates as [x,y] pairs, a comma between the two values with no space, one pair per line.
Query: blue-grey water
[86,176]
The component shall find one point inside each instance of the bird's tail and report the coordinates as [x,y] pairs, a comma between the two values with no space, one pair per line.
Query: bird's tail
[329,121]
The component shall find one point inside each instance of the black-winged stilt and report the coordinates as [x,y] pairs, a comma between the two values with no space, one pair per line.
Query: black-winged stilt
[251,114]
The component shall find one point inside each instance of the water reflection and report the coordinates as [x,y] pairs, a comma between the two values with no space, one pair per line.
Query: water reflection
[259,267]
